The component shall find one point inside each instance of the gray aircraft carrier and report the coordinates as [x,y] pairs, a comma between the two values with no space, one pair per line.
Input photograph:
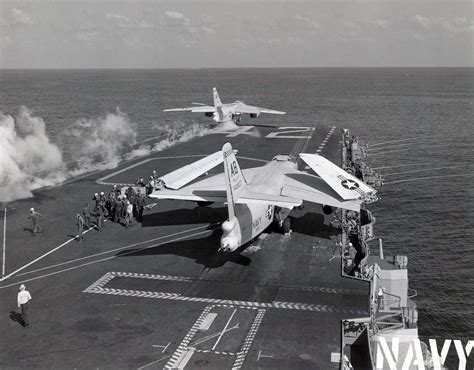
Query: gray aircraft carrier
[159,294]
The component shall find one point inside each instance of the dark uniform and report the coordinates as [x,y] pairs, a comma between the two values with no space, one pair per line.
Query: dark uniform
[140,206]
[118,210]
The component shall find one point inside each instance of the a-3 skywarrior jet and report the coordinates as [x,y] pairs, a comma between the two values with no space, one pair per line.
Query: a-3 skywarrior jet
[258,196]
[222,113]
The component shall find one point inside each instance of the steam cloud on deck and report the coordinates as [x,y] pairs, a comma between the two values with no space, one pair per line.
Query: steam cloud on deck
[29,160]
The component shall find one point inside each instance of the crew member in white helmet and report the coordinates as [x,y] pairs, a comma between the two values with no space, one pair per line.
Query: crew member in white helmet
[24,297]
[35,218]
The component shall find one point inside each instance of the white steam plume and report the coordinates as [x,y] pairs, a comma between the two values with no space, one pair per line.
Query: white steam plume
[169,135]
[28,160]
[98,142]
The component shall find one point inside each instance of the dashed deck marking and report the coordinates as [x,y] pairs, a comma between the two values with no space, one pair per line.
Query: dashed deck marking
[206,324]
[186,345]
[248,340]
[98,287]
[325,140]
[187,339]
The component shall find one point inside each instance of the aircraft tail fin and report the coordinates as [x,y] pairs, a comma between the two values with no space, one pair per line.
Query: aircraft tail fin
[217,100]
[234,178]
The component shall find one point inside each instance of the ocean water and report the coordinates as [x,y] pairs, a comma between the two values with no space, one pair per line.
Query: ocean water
[418,124]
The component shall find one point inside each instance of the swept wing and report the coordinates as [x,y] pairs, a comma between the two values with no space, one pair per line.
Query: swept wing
[244,108]
[198,109]
[344,184]
[313,189]
[184,175]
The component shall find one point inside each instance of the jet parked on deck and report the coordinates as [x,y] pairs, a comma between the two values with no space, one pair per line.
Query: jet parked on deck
[222,113]
[258,196]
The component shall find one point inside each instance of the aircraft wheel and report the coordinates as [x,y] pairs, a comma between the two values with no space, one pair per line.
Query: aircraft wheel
[286,227]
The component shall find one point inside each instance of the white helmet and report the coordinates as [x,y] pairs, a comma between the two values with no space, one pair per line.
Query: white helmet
[22,287]
[32,209]
[96,194]
[101,193]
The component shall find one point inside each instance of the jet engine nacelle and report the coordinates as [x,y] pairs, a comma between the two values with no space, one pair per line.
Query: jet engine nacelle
[327,210]
[209,114]
[228,226]
[229,241]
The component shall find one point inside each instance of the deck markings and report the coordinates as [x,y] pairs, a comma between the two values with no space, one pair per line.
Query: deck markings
[98,288]
[325,140]
[224,330]
[115,250]
[103,259]
[260,355]
[248,340]
[186,346]
[158,346]
[172,362]
[44,255]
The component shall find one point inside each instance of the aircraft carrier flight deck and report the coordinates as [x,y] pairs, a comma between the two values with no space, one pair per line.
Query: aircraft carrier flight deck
[159,294]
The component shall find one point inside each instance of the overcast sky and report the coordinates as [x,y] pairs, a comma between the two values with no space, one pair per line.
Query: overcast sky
[199,33]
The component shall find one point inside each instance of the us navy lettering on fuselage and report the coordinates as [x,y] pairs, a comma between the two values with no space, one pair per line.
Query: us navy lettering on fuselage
[233,168]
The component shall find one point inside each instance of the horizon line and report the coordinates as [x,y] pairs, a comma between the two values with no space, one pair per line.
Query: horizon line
[204,68]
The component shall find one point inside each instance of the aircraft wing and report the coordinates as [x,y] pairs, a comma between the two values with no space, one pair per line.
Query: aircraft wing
[184,175]
[209,189]
[244,108]
[346,185]
[197,195]
[198,109]
[246,197]
[314,189]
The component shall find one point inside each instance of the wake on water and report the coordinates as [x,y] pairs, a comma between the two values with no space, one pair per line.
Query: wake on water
[29,160]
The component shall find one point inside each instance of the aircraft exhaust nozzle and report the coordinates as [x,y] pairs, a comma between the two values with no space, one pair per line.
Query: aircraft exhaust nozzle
[228,244]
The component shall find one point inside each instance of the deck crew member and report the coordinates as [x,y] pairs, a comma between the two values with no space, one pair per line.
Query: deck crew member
[100,217]
[118,209]
[124,206]
[80,227]
[95,198]
[140,206]
[86,213]
[103,202]
[35,218]
[111,204]
[24,297]
[380,294]
[128,214]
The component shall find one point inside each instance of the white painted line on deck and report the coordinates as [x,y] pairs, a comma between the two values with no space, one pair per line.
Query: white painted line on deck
[97,261]
[4,243]
[44,255]
[335,357]
[206,324]
[114,250]
[260,355]
[223,331]
[183,361]
[158,346]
